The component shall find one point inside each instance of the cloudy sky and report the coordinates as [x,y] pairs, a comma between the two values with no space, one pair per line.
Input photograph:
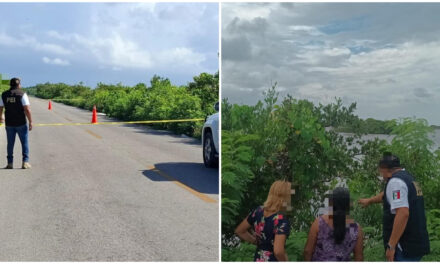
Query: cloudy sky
[108,42]
[385,57]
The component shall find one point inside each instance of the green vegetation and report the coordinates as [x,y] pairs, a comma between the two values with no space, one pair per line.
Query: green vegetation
[342,119]
[289,140]
[368,126]
[4,84]
[160,101]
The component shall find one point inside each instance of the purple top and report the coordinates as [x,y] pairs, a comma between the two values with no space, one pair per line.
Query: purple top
[327,250]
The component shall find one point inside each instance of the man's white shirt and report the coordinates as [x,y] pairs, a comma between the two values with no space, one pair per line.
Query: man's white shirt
[397,194]
[24,100]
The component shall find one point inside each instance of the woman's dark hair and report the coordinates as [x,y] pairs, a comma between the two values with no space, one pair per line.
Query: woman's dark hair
[341,207]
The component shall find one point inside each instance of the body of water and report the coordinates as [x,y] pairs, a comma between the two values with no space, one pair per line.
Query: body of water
[435,137]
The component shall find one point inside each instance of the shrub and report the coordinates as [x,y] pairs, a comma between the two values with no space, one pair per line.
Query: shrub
[161,101]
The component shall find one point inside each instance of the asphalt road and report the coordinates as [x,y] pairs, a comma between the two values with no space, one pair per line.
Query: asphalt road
[106,193]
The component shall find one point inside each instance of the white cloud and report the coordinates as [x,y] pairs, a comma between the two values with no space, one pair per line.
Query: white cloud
[180,56]
[112,50]
[118,52]
[7,40]
[33,43]
[244,12]
[311,30]
[246,89]
[56,61]
[336,52]
[142,36]
[47,47]
[54,34]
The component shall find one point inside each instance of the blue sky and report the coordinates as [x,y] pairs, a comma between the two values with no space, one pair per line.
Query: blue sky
[108,42]
[384,56]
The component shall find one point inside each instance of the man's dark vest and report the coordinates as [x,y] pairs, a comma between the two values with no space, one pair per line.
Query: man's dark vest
[414,240]
[14,114]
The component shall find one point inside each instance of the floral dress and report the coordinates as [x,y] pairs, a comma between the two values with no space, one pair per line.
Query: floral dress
[265,230]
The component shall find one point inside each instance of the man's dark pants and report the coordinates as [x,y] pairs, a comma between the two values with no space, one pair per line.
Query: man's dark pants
[23,133]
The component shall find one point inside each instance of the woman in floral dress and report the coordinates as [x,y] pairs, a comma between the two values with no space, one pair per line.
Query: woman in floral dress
[270,227]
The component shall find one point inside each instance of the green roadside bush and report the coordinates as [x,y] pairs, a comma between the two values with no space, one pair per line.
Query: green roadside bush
[160,101]
[4,84]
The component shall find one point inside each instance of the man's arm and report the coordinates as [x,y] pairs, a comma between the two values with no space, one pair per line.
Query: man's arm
[27,112]
[1,115]
[400,221]
[375,199]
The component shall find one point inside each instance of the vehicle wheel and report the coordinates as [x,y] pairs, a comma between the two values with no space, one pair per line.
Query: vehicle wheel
[209,151]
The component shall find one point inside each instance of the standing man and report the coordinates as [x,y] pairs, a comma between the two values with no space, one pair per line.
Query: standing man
[17,106]
[405,236]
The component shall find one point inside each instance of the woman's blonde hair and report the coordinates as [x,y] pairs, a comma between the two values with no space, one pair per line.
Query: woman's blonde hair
[279,196]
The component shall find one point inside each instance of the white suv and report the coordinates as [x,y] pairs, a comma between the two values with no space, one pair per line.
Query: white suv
[210,139]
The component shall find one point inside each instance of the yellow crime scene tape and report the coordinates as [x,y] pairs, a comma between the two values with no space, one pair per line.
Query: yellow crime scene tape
[121,122]
[71,99]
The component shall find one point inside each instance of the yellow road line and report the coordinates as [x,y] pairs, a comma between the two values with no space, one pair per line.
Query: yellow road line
[93,134]
[202,196]
[121,122]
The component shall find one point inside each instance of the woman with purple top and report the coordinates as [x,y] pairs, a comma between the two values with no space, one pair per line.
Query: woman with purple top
[334,237]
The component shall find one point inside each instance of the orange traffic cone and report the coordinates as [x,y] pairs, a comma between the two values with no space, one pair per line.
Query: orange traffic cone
[94,116]
[50,105]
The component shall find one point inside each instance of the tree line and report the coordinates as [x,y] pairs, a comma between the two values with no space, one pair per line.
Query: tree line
[160,100]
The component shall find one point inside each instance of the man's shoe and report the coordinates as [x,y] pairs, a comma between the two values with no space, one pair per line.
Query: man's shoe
[26,165]
[9,166]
